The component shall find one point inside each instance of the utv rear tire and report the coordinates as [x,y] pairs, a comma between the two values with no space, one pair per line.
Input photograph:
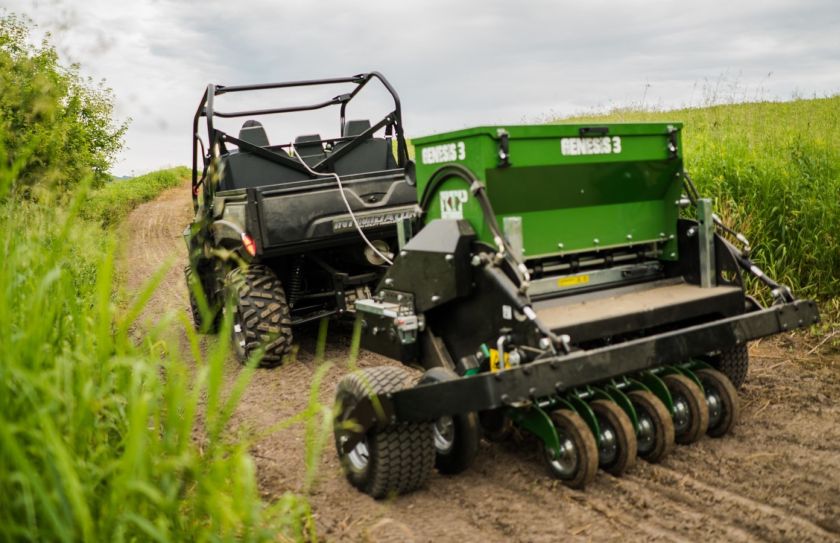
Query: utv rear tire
[395,460]
[195,312]
[734,363]
[261,316]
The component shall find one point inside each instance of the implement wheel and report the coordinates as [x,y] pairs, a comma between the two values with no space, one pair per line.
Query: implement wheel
[261,317]
[577,463]
[655,437]
[722,399]
[734,363]
[617,443]
[395,460]
[495,425]
[691,414]
[456,437]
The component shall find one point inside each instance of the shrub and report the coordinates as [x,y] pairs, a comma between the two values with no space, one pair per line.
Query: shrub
[59,126]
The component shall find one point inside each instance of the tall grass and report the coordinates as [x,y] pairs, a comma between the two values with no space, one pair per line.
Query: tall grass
[102,439]
[774,172]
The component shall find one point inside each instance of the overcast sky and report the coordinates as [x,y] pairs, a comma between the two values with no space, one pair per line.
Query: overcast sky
[455,64]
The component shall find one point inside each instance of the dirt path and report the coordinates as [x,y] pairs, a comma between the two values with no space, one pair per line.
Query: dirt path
[776,478]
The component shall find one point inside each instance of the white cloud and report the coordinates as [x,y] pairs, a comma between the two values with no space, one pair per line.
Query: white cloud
[454,63]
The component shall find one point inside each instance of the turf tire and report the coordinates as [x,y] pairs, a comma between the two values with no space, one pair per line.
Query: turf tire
[401,456]
[734,363]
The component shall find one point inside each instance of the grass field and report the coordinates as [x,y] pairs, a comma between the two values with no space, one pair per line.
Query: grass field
[774,171]
[101,438]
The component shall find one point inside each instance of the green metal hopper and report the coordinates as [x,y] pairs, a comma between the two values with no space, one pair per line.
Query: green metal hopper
[571,187]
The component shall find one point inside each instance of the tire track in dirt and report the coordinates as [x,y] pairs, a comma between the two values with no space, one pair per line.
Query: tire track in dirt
[776,478]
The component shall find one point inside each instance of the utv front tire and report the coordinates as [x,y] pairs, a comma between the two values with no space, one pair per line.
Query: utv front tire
[261,318]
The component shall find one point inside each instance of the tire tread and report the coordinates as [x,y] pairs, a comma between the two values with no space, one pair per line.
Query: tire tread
[264,313]
[402,456]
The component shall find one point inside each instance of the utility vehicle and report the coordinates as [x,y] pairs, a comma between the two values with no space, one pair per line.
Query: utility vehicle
[294,231]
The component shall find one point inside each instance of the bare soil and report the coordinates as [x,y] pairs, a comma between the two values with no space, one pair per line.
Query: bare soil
[776,477]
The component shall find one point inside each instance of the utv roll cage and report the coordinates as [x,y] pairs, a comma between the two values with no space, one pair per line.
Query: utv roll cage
[341,146]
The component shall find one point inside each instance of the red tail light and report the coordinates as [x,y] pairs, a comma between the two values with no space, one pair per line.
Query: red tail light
[248,243]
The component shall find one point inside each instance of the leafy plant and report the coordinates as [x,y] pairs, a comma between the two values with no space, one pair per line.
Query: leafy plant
[59,126]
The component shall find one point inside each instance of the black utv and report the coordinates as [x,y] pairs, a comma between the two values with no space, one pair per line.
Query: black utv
[298,231]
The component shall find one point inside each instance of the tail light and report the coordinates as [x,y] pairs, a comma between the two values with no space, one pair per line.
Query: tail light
[249,244]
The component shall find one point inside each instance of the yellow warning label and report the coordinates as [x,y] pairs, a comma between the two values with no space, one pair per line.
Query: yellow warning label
[494,360]
[572,281]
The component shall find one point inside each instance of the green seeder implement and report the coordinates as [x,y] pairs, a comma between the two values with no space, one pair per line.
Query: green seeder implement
[566,280]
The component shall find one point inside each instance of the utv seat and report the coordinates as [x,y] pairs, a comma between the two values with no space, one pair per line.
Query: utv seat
[253,132]
[371,155]
[244,170]
[310,149]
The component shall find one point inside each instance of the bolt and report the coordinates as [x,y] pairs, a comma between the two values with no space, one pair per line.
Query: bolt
[403,253]
[596,241]
[449,258]
[476,260]
[673,255]
[560,245]
[691,232]
[532,392]
[389,281]
[435,298]
[581,191]
[629,236]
